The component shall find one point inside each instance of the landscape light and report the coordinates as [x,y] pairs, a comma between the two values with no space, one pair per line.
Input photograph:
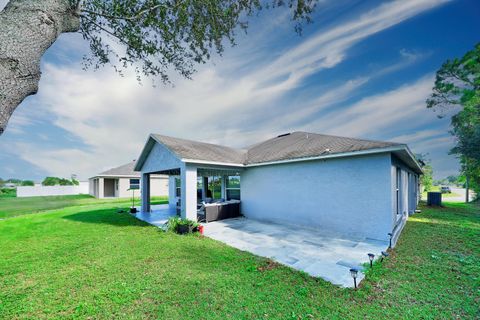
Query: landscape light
[384,255]
[371,256]
[390,235]
[354,274]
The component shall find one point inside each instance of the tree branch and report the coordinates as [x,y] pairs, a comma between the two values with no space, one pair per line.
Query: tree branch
[134,17]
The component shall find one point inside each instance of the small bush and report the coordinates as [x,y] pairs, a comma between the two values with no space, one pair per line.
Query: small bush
[174,223]
[8,193]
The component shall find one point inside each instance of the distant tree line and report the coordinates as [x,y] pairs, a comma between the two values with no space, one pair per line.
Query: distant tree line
[56,181]
[48,181]
[16,182]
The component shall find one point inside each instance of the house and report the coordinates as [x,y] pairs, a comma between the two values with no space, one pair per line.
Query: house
[119,182]
[355,187]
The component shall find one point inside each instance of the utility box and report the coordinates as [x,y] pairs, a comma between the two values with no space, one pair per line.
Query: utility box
[434,199]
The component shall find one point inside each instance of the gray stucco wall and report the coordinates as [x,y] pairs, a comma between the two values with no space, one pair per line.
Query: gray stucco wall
[406,180]
[346,195]
[160,158]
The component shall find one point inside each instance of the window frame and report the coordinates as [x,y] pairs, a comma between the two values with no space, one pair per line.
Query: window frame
[134,184]
[227,188]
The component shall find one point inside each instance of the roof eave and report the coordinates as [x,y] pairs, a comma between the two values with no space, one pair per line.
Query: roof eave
[218,163]
[333,155]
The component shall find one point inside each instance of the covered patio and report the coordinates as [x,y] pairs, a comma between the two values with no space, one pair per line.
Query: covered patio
[195,185]
[200,193]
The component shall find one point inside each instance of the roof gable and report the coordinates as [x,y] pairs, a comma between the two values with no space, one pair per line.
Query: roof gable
[195,150]
[124,170]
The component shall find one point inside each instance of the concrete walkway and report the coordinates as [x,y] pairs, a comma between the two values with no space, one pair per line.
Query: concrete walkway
[317,252]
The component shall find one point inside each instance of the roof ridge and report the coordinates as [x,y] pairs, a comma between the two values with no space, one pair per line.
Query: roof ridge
[196,141]
[344,137]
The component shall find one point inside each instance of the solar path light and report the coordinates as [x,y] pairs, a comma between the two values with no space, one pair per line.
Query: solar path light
[384,255]
[371,256]
[354,274]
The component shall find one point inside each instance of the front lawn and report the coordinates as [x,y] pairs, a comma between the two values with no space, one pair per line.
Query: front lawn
[92,262]
[10,207]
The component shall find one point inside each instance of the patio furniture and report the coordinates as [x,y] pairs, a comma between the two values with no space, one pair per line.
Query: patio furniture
[219,210]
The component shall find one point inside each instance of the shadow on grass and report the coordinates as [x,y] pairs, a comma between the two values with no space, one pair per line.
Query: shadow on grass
[106,216]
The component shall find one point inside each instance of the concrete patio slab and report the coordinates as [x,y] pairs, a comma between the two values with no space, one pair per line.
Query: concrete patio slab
[319,253]
[159,215]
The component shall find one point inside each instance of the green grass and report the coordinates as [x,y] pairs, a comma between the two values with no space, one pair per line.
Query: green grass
[92,262]
[444,195]
[10,207]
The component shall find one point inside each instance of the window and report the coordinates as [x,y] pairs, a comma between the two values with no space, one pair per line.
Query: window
[135,184]
[398,186]
[233,187]
[178,187]
[214,187]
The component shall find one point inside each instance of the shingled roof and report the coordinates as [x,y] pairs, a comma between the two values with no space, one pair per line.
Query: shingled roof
[124,170]
[298,144]
[194,150]
[294,146]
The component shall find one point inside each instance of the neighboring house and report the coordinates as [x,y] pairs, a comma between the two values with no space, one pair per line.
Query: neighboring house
[118,182]
[356,187]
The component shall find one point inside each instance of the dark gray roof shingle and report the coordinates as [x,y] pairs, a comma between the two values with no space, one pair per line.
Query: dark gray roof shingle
[295,145]
[188,149]
[125,170]
[298,145]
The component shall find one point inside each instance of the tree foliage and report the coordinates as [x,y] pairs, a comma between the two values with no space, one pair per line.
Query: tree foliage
[55,181]
[457,87]
[28,183]
[158,35]
[426,179]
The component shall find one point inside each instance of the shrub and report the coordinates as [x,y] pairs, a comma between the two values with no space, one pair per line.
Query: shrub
[175,222]
[8,193]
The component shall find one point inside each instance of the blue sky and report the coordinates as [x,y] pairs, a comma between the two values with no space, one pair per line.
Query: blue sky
[362,69]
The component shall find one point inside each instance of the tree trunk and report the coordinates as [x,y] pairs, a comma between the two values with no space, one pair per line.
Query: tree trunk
[27,29]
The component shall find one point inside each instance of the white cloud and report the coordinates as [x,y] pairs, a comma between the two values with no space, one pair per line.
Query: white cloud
[380,113]
[112,116]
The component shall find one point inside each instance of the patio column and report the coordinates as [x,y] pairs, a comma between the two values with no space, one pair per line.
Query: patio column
[172,190]
[189,192]
[101,188]
[224,187]
[145,192]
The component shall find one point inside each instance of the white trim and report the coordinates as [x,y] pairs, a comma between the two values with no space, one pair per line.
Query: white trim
[213,163]
[413,158]
[158,176]
[329,156]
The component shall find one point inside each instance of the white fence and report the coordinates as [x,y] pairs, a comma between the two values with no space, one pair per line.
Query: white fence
[37,191]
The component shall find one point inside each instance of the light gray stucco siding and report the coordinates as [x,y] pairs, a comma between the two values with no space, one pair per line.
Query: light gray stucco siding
[405,203]
[349,195]
[160,158]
